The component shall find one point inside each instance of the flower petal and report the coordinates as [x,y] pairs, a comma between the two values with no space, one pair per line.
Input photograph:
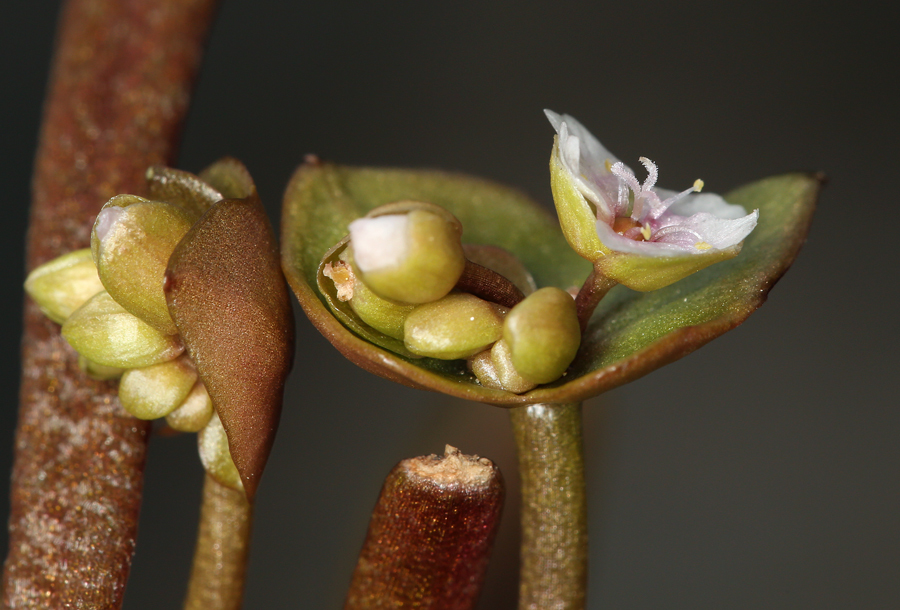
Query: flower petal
[703,202]
[718,233]
[587,160]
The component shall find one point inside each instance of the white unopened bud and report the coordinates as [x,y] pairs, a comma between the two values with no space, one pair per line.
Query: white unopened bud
[414,257]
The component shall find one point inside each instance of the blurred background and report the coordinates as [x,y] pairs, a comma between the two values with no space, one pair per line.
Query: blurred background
[760,472]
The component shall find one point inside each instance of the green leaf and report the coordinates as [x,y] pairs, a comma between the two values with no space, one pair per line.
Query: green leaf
[630,333]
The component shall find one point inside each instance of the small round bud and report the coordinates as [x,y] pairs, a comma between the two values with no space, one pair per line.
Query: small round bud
[64,284]
[98,371]
[510,378]
[103,332]
[458,326]
[216,456]
[543,335]
[157,390]
[384,315]
[131,242]
[494,369]
[194,413]
[484,370]
[414,257]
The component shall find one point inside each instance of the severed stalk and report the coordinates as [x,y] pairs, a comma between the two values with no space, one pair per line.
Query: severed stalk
[430,536]
[77,474]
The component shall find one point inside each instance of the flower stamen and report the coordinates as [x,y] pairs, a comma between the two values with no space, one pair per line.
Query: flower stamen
[665,205]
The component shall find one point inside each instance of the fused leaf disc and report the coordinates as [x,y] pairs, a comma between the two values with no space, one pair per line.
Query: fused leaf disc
[630,333]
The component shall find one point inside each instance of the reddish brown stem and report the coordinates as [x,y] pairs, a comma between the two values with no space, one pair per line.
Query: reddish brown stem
[430,536]
[489,285]
[118,93]
[594,288]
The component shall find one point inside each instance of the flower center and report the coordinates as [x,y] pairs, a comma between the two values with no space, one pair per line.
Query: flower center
[644,202]
[630,228]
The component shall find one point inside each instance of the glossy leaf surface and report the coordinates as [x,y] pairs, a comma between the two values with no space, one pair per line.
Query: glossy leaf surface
[630,333]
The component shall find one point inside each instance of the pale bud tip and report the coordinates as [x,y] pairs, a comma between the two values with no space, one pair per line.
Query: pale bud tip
[106,220]
[380,242]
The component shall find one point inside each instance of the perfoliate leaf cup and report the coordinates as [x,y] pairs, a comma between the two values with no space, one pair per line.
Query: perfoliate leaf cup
[155,391]
[630,334]
[457,326]
[132,241]
[62,285]
[103,332]
[543,335]
[413,257]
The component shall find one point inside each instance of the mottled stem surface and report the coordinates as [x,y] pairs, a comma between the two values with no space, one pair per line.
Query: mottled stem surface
[554,509]
[223,545]
[118,93]
[430,536]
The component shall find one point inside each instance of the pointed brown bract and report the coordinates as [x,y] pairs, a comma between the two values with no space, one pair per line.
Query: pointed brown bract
[228,298]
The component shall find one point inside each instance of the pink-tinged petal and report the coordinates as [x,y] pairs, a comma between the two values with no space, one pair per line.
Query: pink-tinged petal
[718,233]
[621,244]
[703,202]
[587,161]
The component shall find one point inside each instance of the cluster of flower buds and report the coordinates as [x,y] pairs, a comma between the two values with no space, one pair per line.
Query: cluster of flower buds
[110,300]
[406,274]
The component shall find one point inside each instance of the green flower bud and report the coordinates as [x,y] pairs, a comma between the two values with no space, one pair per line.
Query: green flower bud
[494,369]
[131,243]
[194,413]
[509,376]
[99,371]
[64,284]
[411,257]
[384,315]
[458,326]
[543,335]
[216,456]
[155,391]
[103,332]
[481,366]
[181,188]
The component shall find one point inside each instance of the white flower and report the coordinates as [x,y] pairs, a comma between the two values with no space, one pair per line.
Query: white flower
[642,236]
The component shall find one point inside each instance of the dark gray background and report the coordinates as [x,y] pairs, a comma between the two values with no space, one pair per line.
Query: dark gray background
[760,472]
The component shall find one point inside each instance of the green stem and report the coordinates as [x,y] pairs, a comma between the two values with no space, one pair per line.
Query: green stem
[223,543]
[554,508]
